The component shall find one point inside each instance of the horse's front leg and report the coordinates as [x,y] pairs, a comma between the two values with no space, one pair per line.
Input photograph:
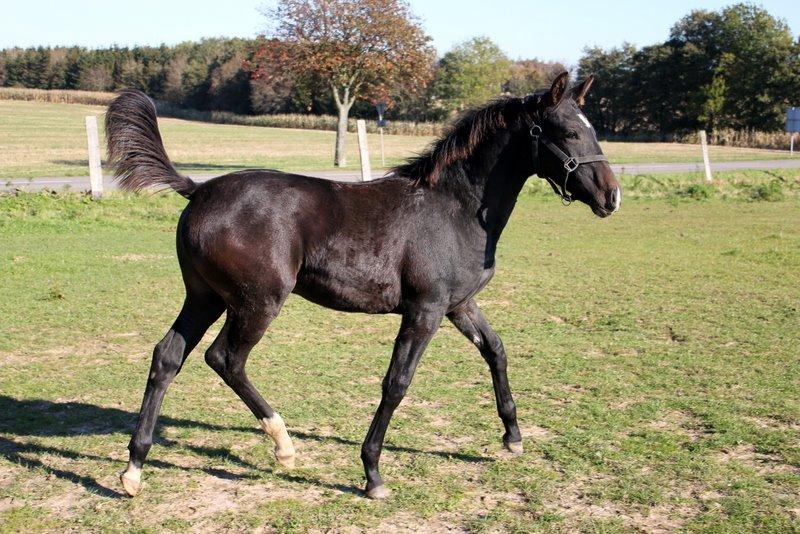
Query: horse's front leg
[470,321]
[416,330]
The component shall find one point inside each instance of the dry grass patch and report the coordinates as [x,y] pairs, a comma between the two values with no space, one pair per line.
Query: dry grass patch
[680,422]
[747,456]
[574,502]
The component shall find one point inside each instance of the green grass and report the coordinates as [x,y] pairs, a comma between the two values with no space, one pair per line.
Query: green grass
[653,357]
[40,139]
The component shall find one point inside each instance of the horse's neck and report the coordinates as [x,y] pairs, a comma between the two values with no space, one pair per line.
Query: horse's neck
[498,172]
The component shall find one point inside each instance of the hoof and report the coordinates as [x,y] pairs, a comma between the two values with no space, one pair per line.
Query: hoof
[132,485]
[286,460]
[514,447]
[378,493]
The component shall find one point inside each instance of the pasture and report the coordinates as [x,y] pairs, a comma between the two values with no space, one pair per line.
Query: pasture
[653,357]
[39,139]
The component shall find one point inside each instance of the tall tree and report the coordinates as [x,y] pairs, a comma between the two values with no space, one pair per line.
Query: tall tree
[738,67]
[528,75]
[610,103]
[471,73]
[359,48]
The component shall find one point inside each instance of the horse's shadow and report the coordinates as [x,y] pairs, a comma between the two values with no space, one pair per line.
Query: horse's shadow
[44,419]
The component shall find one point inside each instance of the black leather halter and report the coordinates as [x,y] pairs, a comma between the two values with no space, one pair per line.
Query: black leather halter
[571,163]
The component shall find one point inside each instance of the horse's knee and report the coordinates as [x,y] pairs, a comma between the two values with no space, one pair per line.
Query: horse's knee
[508,410]
[501,362]
[395,387]
[494,353]
[370,453]
[167,360]
[495,345]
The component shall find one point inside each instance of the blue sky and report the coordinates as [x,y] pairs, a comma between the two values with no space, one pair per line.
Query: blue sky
[544,29]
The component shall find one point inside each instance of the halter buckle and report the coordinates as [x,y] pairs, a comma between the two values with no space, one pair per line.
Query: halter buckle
[536,131]
[571,165]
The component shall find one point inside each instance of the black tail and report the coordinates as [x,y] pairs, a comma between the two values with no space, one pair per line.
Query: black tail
[135,150]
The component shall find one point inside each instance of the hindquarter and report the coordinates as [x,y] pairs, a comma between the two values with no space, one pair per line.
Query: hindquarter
[244,234]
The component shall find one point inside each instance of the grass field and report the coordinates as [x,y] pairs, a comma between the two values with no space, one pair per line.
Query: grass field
[653,357]
[39,139]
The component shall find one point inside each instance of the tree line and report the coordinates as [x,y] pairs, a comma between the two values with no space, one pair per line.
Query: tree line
[735,68]
[227,74]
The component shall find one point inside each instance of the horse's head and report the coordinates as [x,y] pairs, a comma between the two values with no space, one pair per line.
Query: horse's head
[569,156]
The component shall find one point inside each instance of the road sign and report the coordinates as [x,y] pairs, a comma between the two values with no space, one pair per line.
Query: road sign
[381,108]
[793,120]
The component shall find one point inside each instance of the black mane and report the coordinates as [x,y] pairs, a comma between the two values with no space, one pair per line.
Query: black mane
[460,140]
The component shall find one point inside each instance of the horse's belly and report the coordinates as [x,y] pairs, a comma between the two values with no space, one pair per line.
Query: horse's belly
[349,291]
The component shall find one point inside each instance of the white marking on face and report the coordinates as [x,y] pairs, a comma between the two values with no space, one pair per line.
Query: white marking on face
[584,120]
[476,340]
[617,199]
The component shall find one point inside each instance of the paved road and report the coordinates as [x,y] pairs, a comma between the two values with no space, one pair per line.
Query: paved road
[82,183]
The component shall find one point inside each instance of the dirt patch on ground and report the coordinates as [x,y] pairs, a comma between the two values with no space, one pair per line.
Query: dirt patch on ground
[207,496]
[7,477]
[89,352]
[762,463]
[575,504]
[535,433]
[556,319]
[770,423]
[681,422]
[124,258]
[404,522]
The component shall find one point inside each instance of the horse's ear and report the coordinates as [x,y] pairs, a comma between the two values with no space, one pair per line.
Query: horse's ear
[580,90]
[558,89]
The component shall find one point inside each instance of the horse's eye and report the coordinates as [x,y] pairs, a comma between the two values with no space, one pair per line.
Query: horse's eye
[571,135]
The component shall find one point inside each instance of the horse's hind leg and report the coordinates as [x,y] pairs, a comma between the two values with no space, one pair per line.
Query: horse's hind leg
[199,312]
[228,354]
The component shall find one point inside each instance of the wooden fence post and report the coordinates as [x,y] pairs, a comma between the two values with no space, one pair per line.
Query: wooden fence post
[706,162]
[363,150]
[383,158]
[95,171]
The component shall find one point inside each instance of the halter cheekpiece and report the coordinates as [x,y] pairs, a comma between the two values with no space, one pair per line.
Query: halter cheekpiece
[571,163]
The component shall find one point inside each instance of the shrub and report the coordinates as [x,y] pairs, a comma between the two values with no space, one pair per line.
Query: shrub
[697,191]
[770,192]
[60,96]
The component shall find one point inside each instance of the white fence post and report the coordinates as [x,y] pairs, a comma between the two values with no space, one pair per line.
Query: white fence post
[706,162]
[363,150]
[383,158]
[95,171]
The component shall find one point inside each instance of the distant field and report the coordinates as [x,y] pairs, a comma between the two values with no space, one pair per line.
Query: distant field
[40,139]
[653,356]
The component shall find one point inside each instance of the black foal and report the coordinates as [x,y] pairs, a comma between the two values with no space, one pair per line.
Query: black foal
[419,243]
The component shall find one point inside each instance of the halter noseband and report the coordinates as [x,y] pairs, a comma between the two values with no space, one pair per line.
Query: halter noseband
[571,163]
